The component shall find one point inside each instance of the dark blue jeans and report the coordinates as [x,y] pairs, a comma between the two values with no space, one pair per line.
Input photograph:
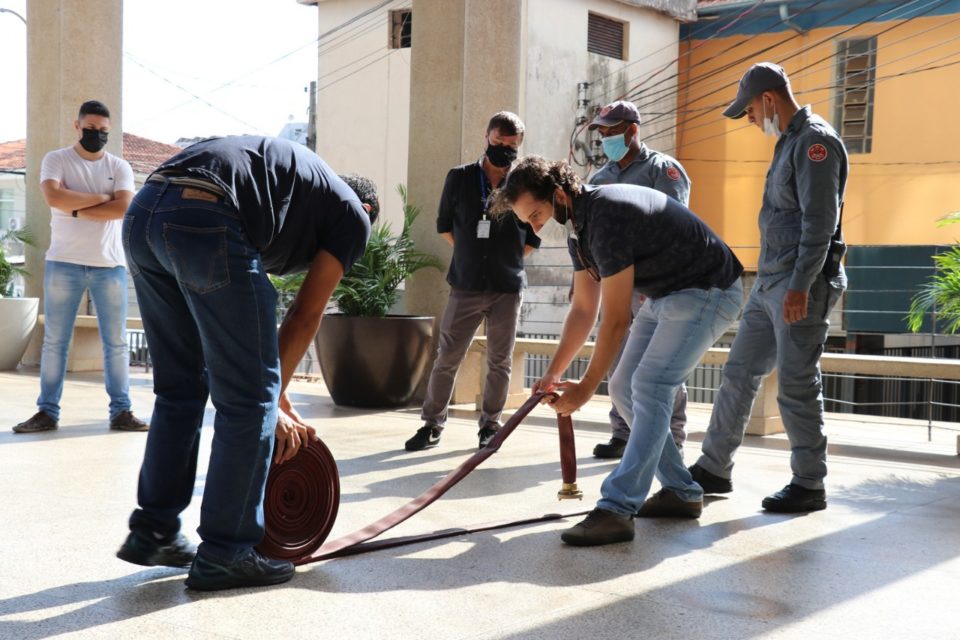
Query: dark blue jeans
[208,313]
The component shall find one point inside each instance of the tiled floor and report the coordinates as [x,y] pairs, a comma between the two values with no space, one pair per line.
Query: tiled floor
[881,562]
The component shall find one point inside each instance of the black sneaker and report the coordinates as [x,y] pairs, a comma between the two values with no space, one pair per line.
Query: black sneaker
[145,549]
[796,499]
[249,569]
[40,421]
[126,421]
[486,435]
[667,504]
[599,527]
[426,437]
[610,450]
[709,482]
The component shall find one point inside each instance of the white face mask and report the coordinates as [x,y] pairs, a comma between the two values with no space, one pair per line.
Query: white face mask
[771,126]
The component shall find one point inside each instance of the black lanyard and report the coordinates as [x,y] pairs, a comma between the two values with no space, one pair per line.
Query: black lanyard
[483,194]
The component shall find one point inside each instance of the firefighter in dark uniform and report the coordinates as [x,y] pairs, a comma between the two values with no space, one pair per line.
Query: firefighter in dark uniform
[799,280]
[630,161]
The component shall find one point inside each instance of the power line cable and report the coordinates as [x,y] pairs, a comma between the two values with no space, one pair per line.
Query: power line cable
[195,96]
[676,61]
[807,70]
[931,6]
[733,21]
[318,39]
[674,89]
[687,121]
[645,90]
[359,69]
[752,56]
[914,71]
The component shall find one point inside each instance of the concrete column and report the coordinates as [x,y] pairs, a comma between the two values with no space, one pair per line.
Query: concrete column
[74,50]
[765,419]
[466,64]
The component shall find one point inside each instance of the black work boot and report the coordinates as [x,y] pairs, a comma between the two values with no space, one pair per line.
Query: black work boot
[667,504]
[796,499]
[709,482]
[599,527]
[40,421]
[610,450]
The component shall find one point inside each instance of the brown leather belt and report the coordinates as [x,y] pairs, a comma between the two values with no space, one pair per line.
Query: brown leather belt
[303,495]
[182,180]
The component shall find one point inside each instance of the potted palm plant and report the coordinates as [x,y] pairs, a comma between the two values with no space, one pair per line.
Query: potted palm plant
[368,356]
[939,298]
[18,316]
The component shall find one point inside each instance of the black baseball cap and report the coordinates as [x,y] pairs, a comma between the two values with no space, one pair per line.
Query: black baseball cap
[761,77]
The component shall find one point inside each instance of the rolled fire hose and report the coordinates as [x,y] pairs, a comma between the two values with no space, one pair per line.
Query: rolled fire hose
[303,496]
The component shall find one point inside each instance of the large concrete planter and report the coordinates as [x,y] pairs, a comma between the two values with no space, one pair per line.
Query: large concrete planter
[374,362]
[18,318]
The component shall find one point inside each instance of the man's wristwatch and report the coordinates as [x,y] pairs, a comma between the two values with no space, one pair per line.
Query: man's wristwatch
[74,213]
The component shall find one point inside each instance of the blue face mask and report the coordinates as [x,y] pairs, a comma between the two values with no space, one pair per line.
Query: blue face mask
[614,147]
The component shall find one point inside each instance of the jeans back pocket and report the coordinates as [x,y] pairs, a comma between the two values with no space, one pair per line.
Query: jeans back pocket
[198,256]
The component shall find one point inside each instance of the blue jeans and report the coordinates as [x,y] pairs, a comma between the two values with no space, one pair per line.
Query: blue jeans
[668,337]
[63,287]
[209,316]
[764,342]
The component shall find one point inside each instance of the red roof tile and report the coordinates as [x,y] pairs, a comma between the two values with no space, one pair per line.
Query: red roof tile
[13,154]
[143,155]
[146,155]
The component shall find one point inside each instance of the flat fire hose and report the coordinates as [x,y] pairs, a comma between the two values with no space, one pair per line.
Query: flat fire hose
[303,496]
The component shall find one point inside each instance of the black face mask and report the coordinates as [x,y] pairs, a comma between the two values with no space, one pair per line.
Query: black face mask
[93,140]
[501,155]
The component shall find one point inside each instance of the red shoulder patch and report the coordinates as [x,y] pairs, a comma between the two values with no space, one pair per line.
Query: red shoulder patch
[817,152]
[673,173]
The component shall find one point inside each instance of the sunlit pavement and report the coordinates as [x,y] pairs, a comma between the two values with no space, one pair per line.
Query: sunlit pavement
[880,562]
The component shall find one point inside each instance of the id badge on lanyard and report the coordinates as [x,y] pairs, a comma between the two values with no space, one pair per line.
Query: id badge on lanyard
[483,226]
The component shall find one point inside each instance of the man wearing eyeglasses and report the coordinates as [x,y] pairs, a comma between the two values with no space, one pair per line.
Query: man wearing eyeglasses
[630,161]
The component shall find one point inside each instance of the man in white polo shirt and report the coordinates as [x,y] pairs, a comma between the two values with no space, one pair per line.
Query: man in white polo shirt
[88,191]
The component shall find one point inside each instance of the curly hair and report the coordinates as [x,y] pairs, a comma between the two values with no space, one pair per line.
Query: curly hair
[366,190]
[537,176]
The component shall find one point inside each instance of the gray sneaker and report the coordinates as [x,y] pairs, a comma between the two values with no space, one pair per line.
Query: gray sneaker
[126,421]
[40,421]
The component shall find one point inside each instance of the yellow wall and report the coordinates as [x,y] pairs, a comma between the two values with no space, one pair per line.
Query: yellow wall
[914,122]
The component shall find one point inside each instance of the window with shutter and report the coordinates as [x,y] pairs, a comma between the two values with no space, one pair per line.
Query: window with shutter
[856,76]
[606,36]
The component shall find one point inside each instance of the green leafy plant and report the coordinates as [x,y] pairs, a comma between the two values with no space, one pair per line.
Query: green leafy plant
[9,271]
[370,288]
[941,294]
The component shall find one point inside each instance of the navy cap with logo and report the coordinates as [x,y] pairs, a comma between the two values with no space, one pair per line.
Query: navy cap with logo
[761,77]
[615,113]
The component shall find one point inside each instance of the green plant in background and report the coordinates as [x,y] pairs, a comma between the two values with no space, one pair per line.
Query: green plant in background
[941,295]
[371,286]
[8,271]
